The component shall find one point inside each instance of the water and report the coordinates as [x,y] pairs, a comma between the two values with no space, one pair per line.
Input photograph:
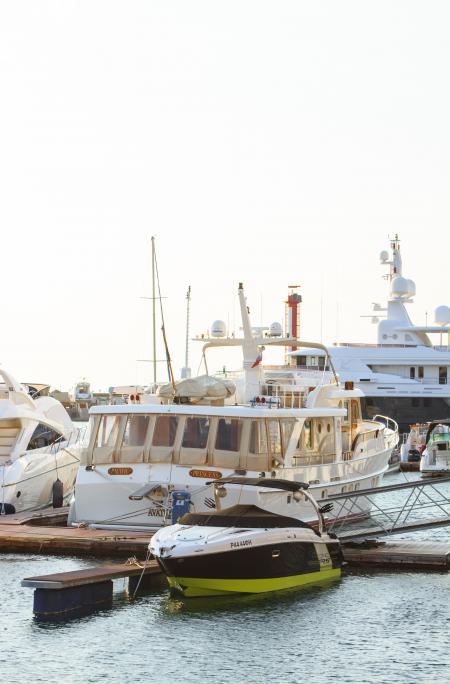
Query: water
[369,627]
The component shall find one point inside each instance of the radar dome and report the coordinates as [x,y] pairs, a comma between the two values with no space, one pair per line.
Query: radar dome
[275,329]
[442,315]
[384,256]
[411,287]
[400,287]
[218,329]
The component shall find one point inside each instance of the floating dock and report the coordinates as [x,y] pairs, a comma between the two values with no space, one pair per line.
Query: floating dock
[65,595]
[406,555]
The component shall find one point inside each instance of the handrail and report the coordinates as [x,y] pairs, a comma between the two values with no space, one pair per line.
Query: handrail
[390,423]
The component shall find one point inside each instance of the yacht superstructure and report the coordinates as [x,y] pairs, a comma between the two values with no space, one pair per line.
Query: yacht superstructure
[403,375]
[145,461]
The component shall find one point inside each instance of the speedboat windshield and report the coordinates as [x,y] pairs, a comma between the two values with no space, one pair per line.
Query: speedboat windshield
[241,516]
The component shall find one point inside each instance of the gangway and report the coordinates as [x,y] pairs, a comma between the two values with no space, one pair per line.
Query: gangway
[394,509]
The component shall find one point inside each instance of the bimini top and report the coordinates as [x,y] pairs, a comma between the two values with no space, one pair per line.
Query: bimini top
[435,423]
[269,482]
[241,516]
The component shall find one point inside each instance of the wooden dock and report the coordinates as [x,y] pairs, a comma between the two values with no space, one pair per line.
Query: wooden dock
[406,555]
[66,595]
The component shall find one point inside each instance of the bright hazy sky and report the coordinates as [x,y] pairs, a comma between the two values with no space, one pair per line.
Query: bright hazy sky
[263,142]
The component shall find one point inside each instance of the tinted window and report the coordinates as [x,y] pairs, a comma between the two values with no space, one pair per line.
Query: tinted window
[43,436]
[165,431]
[229,434]
[196,433]
[258,441]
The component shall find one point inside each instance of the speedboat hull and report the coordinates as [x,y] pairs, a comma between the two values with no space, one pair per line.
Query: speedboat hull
[248,571]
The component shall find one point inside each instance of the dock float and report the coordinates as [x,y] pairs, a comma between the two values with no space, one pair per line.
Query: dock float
[405,555]
[69,594]
[76,541]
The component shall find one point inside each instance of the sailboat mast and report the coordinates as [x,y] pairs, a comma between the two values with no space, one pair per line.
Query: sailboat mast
[186,371]
[154,309]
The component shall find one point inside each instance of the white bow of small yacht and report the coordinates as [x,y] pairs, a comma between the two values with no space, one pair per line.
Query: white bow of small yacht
[35,436]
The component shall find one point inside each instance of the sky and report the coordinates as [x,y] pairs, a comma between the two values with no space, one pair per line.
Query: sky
[268,143]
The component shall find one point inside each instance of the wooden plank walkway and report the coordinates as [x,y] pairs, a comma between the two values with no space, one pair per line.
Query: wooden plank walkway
[45,516]
[72,540]
[425,555]
[75,578]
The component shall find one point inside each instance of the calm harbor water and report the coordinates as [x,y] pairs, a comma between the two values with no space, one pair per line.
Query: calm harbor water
[370,627]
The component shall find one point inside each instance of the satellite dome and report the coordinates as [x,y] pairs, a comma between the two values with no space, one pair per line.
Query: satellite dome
[411,287]
[400,287]
[384,256]
[218,329]
[275,329]
[442,315]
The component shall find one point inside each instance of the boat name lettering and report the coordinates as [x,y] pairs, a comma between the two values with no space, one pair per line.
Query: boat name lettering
[159,512]
[243,542]
[120,471]
[206,474]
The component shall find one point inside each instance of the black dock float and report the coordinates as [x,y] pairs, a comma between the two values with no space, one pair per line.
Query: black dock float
[69,594]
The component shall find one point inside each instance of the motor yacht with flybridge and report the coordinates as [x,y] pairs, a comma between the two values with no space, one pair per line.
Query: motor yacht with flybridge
[38,464]
[404,375]
[245,548]
[148,462]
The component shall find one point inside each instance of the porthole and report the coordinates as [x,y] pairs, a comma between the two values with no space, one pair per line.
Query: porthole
[319,428]
[18,494]
[328,427]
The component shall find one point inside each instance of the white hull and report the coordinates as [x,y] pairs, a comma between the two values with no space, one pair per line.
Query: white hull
[27,483]
[103,500]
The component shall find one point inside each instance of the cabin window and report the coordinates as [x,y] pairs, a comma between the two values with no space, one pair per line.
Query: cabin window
[301,360]
[306,436]
[136,430]
[165,431]
[415,401]
[229,434]
[412,373]
[442,375]
[107,431]
[420,372]
[274,437]
[43,436]
[258,439]
[196,433]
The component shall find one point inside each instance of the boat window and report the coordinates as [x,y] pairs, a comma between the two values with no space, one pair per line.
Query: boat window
[43,436]
[305,439]
[107,431]
[229,434]
[165,431]
[258,439]
[420,372]
[442,375]
[135,430]
[274,437]
[412,372]
[196,433]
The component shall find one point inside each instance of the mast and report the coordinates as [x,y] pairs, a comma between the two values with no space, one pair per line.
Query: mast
[154,309]
[186,371]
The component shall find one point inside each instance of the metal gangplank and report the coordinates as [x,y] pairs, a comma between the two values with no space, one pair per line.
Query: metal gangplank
[394,509]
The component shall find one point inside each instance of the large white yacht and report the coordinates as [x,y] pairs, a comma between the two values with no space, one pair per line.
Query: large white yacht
[404,375]
[37,463]
[147,463]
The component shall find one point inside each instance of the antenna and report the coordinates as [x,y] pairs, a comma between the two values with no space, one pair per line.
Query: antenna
[186,371]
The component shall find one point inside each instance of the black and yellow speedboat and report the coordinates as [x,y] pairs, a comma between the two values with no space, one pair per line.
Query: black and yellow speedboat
[245,548]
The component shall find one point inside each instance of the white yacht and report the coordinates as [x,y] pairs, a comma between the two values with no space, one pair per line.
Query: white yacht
[38,465]
[148,462]
[435,458]
[404,375]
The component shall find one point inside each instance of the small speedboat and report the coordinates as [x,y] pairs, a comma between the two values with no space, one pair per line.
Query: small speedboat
[435,458]
[246,548]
